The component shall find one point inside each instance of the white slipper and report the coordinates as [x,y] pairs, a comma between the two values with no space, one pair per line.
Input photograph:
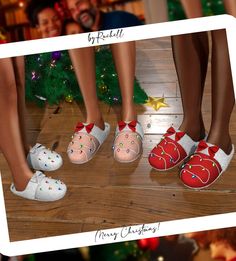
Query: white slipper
[42,188]
[40,158]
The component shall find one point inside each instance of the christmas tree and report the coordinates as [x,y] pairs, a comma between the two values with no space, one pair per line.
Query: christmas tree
[50,77]
[210,7]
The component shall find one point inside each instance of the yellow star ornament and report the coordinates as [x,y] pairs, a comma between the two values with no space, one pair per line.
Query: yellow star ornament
[156,103]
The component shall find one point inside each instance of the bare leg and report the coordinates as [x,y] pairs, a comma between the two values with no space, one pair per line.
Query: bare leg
[230,6]
[83,60]
[124,57]
[222,92]
[19,68]
[191,55]
[10,142]
[192,9]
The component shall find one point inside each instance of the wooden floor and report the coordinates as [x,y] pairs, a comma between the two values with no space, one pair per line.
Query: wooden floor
[106,194]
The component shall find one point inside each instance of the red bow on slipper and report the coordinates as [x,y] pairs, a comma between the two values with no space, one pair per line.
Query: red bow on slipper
[80,126]
[131,125]
[211,150]
[178,135]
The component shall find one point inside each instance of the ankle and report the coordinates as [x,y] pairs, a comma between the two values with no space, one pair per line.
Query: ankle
[27,149]
[222,141]
[196,131]
[129,114]
[21,183]
[98,122]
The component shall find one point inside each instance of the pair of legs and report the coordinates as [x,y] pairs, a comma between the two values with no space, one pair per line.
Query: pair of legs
[13,139]
[84,64]
[127,145]
[12,132]
[204,162]
[191,53]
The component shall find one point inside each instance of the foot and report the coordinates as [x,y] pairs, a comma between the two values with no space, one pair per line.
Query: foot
[128,141]
[195,131]
[40,158]
[175,146]
[86,141]
[205,166]
[222,140]
[41,188]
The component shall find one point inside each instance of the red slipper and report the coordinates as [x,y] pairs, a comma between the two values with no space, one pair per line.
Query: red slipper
[205,166]
[174,147]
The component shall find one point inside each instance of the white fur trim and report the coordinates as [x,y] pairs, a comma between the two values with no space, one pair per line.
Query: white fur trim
[221,156]
[98,133]
[186,142]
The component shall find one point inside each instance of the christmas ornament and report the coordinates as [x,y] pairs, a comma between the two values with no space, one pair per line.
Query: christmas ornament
[116,100]
[102,88]
[56,55]
[148,243]
[156,103]
[97,48]
[143,244]
[153,243]
[69,98]
[51,75]
[40,98]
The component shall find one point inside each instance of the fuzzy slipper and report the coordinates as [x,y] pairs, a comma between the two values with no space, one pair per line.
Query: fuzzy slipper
[86,141]
[175,146]
[42,188]
[205,166]
[40,158]
[128,141]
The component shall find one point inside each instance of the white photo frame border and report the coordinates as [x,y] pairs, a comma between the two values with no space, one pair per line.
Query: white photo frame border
[128,34]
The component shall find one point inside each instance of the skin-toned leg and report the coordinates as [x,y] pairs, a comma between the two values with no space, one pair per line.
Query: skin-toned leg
[125,57]
[19,68]
[10,142]
[193,9]
[230,6]
[222,87]
[222,92]
[83,60]
[191,55]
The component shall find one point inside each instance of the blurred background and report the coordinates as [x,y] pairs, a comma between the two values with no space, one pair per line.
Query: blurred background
[15,27]
[219,244]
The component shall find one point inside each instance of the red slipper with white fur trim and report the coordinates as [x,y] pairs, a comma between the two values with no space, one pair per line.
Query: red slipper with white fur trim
[205,166]
[175,146]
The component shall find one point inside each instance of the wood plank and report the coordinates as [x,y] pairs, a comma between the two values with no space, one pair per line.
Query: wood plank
[167,89]
[112,194]
[118,206]
[19,229]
